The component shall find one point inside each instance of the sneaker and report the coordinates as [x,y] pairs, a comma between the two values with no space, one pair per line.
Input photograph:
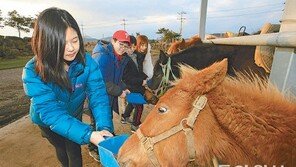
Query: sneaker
[93,152]
[125,120]
[134,128]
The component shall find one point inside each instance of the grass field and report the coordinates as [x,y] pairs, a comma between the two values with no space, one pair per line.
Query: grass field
[13,63]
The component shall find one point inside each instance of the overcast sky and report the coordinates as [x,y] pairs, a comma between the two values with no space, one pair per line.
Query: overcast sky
[100,18]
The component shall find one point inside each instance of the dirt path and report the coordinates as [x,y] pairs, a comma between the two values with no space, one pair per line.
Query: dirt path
[13,102]
[21,144]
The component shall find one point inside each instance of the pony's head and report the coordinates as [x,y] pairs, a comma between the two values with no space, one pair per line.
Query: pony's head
[173,107]
[158,73]
[176,46]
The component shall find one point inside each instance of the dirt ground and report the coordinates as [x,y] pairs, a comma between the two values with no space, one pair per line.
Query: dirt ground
[21,144]
[13,102]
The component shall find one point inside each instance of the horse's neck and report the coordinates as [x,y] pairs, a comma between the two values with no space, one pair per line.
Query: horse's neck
[213,142]
[251,126]
[224,144]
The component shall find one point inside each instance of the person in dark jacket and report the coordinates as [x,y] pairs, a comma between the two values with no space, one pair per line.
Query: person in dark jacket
[57,80]
[135,79]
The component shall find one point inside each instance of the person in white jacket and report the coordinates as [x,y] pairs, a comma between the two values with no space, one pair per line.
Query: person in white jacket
[143,52]
[147,63]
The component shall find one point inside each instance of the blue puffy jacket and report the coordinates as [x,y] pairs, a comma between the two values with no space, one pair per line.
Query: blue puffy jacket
[112,71]
[60,110]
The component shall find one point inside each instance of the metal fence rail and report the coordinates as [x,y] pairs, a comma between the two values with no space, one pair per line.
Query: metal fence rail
[281,39]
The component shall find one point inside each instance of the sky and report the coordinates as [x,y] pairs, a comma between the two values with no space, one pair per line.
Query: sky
[100,19]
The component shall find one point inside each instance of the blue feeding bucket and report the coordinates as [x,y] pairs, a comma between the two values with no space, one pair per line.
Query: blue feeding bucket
[135,98]
[108,150]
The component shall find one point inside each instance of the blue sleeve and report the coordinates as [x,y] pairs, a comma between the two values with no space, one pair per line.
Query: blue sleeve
[98,98]
[51,113]
[104,60]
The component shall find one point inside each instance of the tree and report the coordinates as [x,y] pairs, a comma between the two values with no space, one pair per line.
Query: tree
[168,35]
[21,23]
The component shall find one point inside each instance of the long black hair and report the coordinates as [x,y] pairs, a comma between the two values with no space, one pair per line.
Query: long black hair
[48,44]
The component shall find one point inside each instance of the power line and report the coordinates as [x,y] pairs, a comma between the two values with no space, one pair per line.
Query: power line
[82,30]
[136,22]
[238,15]
[250,7]
[270,11]
[182,18]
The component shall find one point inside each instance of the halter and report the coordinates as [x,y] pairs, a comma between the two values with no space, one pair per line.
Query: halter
[186,124]
[165,80]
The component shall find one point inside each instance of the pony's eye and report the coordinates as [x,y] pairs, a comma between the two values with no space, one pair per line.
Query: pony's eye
[162,109]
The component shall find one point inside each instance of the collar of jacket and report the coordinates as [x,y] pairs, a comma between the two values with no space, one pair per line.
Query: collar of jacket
[119,57]
[75,69]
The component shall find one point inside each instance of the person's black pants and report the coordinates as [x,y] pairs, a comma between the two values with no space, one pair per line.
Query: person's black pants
[137,113]
[128,110]
[67,151]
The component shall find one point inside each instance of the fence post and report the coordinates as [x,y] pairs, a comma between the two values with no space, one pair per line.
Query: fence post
[283,70]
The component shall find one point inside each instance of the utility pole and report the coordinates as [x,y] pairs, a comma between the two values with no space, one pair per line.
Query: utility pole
[181,20]
[203,18]
[82,30]
[124,24]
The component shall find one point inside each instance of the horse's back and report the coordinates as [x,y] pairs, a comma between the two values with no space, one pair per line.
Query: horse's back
[240,58]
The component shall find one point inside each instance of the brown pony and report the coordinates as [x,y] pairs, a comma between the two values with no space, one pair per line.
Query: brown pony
[243,122]
[177,46]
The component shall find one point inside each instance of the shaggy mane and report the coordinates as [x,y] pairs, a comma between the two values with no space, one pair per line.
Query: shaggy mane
[246,84]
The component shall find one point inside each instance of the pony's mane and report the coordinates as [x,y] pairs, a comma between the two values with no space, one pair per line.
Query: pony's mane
[253,84]
[247,84]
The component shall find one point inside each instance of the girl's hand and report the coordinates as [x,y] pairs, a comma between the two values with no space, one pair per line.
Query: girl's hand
[97,136]
[124,93]
[144,82]
[127,91]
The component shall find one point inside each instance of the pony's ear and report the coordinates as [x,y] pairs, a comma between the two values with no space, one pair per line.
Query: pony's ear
[182,44]
[163,58]
[201,82]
